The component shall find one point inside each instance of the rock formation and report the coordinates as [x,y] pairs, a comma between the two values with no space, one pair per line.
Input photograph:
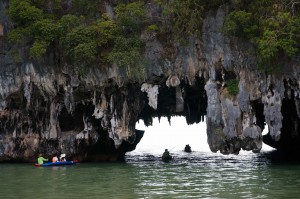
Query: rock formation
[48,108]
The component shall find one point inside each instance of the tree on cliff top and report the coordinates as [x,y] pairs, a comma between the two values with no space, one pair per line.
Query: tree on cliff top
[271,25]
[86,36]
[81,36]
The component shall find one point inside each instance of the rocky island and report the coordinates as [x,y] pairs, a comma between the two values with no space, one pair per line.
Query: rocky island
[75,77]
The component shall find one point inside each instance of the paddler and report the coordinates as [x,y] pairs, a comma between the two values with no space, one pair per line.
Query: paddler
[41,159]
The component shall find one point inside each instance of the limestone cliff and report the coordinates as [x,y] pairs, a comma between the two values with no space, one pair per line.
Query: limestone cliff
[45,108]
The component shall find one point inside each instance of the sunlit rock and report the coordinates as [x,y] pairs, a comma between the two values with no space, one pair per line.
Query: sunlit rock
[152,92]
[100,107]
[173,81]
[272,112]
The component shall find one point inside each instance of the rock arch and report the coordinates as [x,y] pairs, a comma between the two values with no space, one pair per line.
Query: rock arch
[45,107]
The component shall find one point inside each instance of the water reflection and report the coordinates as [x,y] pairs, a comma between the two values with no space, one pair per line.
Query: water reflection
[208,175]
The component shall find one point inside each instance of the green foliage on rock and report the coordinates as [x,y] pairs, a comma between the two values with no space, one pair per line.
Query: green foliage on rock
[182,18]
[131,16]
[153,27]
[232,87]
[127,54]
[240,23]
[83,35]
[23,12]
[67,22]
[128,48]
[72,41]
[271,25]
[17,36]
[84,44]
[89,9]
[38,49]
[280,35]
[45,30]
[31,26]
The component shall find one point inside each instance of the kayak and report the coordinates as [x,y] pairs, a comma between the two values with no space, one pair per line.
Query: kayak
[56,163]
[167,158]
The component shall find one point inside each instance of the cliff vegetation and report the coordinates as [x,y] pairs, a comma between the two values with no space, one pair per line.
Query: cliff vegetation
[83,34]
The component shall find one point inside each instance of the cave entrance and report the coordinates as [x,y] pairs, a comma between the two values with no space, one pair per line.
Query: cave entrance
[174,136]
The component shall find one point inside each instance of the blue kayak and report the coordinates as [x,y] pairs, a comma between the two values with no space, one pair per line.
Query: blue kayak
[56,163]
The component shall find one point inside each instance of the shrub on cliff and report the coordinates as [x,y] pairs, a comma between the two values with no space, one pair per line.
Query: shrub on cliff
[272,26]
[80,35]
[232,87]
[182,18]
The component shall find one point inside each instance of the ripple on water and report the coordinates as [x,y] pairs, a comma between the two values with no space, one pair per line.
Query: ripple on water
[193,175]
[209,175]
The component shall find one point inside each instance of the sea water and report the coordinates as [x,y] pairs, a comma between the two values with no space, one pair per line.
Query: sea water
[141,175]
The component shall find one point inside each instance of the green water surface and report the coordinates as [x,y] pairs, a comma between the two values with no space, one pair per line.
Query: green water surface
[195,175]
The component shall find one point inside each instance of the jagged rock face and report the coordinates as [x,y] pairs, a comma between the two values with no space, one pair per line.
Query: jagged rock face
[45,109]
[236,122]
[231,122]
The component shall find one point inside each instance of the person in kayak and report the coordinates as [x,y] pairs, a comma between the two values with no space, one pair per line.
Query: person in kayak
[41,159]
[62,157]
[55,158]
[166,155]
[187,148]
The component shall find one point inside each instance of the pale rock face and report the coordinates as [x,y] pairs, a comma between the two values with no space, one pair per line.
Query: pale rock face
[98,113]
[152,92]
[252,132]
[225,123]
[179,100]
[119,126]
[230,115]
[69,99]
[53,127]
[272,112]
[27,89]
[173,81]
[213,102]
[101,107]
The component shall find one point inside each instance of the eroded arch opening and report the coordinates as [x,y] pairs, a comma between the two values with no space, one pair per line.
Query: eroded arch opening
[174,136]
